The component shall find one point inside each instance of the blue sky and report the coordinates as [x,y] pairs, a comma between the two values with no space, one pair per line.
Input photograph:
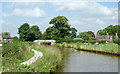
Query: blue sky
[84,16]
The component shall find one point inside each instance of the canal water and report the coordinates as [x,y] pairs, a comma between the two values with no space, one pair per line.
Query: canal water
[82,61]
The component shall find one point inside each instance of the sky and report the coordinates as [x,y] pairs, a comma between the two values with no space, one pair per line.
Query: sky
[82,15]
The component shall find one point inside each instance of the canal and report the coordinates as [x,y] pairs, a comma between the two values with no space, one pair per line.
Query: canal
[82,61]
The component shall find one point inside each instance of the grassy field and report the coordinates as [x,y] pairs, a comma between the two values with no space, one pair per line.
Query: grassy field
[110,47]
[17,52]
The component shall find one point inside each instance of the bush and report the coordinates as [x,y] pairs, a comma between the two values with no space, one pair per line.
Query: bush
[92,42]
[75,41]
[116,41]
[10,48]
[102,41]
[69,41]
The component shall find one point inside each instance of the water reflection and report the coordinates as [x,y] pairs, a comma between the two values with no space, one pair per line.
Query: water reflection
[81,61]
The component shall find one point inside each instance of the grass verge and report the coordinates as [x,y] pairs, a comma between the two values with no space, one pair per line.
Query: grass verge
[110,47]
[51,59]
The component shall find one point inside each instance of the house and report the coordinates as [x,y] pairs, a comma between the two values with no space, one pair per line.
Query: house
[105,37]
[5,38]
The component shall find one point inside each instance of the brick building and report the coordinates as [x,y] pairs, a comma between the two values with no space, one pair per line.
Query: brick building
[105,37]
[5,38]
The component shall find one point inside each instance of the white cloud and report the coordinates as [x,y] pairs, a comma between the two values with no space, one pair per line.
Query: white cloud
[90,15]
[5,15]
[23,0]
[23,4]
[2,21]
[36,12]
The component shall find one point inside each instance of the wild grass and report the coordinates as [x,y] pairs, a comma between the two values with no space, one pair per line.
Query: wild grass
[13,54]
[110,47]
[0,58]
[17,52]
[51,59]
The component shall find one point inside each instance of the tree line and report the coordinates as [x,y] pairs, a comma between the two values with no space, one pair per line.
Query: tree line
[61,29]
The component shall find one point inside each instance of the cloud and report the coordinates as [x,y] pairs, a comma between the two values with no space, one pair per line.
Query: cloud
[36,12]
[90,15]
[24,0]
[2,21]
[23,4]
[5,15]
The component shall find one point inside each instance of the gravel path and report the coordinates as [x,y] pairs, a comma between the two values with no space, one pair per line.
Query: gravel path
[37,55]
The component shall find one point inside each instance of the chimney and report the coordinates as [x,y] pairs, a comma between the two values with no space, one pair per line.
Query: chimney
[116,36]
[107,34]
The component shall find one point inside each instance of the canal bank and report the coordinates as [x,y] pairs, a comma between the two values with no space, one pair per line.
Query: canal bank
[110,49]
[82,61]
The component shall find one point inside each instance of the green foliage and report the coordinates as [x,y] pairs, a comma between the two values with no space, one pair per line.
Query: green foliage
[29,34]
[111,30]
[6,33]
[15,37]
[91,33]
[91,41]
[87,35]
[18,52]
[110,47]
[49,33]
[61,26]
[73,32]
[13,54]
[68,40]
[102,41]
[50,61]
[116,41]
[23,31]
[34,33]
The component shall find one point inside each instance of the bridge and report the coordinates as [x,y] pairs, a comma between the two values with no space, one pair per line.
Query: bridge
[45,41]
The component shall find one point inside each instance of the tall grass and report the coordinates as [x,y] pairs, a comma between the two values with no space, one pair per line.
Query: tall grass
[51,59]
[13,54]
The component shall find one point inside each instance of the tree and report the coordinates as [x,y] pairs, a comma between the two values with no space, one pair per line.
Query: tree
[48,34]
[23,31]
[15,37]
[60,24]
[87,35]
[92,33]
[6,33]
[34,33]
[111,30]
[73,32]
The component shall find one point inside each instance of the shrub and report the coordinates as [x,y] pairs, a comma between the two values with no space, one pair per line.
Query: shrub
[10,48]
[92,42]
[102,41]
[116,41]
[70,41]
